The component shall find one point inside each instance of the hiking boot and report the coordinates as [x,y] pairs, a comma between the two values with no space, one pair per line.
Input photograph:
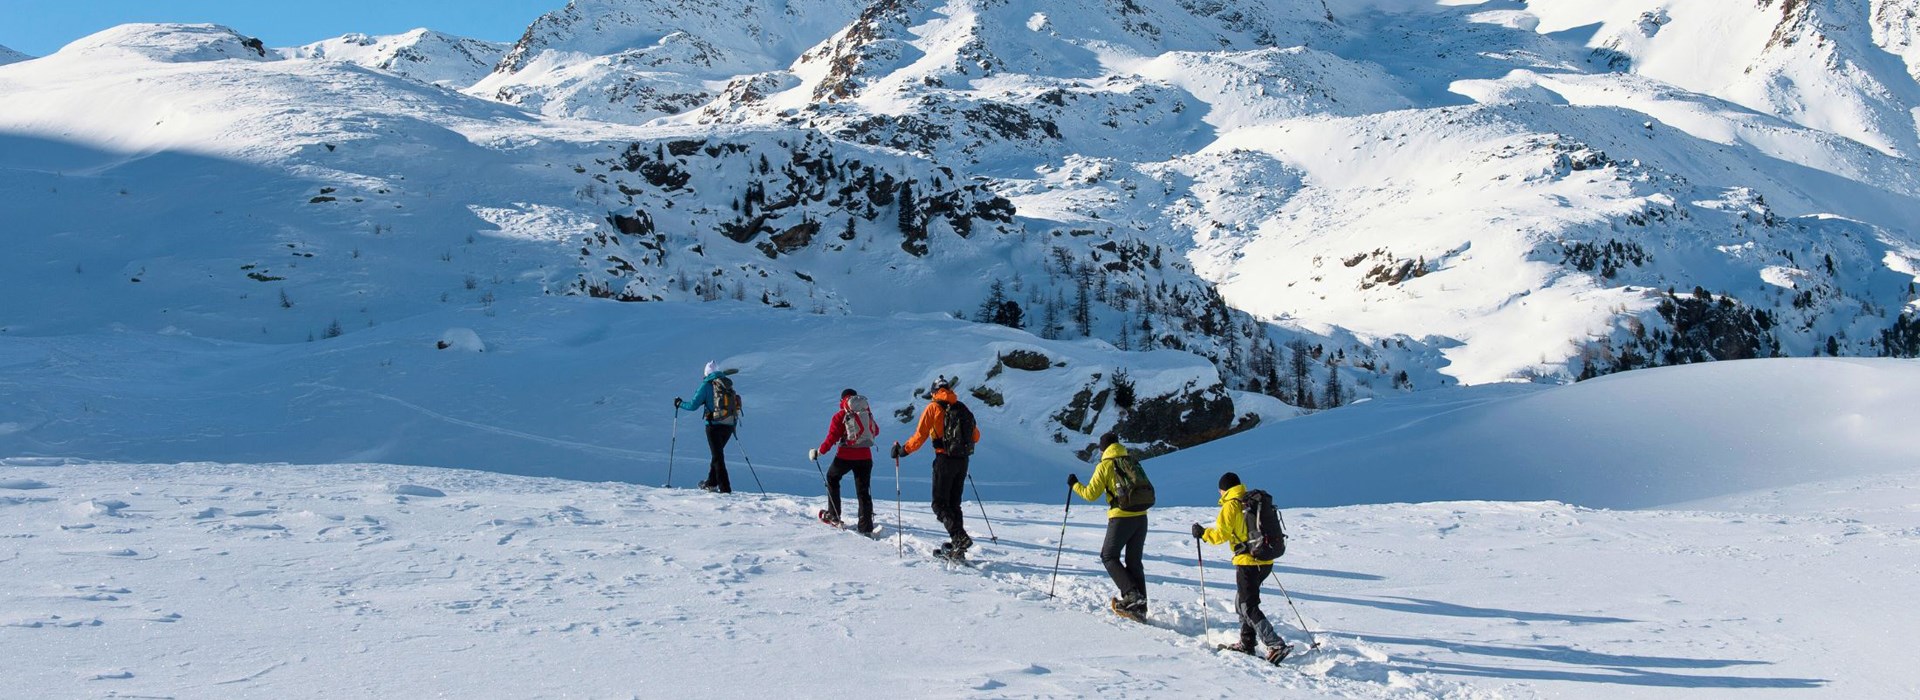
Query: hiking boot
[706,486]
[1239,647]
[1275,655]
[1135,602]
[962,544]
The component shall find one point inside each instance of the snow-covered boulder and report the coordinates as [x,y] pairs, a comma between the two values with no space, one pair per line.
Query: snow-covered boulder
[461,339]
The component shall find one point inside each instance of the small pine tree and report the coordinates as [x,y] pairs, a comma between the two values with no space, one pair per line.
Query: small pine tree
[1334,392]
[990,307]
[333,330]
[1011,315]
[909,211]
[1050,327]
[285,303]
[1298,367]
[1083,302]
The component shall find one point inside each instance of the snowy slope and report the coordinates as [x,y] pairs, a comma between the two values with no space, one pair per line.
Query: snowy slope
[580,388]
[1634,440]
[422,54]
[161,581]
[1841,67]
[11,56]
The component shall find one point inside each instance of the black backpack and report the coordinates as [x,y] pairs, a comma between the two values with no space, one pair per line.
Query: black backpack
[958,430]
[1266,534]
[1131,489]
[726,403]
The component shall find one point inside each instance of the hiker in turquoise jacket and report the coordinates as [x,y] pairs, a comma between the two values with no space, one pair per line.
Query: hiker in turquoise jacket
[720,406]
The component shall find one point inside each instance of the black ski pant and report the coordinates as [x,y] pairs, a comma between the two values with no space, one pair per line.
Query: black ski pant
[862,470]
[1128,535]
[717,437]
[949,489]
[1253,622]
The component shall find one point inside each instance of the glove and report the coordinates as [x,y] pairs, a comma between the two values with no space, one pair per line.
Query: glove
[1073,479]
[897,452]
[676,403]
[813,455]
[1198,531]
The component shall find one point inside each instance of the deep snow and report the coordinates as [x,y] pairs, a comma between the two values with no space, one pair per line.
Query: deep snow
[251,580]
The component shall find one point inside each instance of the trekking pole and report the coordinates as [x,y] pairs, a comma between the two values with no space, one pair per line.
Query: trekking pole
[1206,625]
[1314,641]
[1063,542]
[674,442]
[750,469]
[983,510]
[899,521]
[823,475]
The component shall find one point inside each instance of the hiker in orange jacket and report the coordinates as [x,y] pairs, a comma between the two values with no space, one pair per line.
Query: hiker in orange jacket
[949,424]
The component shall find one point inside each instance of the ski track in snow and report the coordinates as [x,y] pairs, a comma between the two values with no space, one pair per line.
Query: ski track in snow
[206,580]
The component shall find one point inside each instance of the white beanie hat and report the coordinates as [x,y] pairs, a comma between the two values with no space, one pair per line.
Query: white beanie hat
[711,368]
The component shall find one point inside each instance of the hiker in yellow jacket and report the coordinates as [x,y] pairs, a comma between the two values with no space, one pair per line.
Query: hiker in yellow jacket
[950,456]
[1230,528]
[1126,529]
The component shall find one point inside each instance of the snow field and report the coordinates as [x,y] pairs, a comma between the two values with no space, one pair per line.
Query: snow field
[213,580]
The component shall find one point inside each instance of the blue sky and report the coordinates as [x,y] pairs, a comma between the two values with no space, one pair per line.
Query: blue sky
[40,27]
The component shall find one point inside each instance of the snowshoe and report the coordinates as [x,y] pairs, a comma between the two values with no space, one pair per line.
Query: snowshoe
[1236,647]
[828,518]
[947,552]
[1275,655]
[1128,609]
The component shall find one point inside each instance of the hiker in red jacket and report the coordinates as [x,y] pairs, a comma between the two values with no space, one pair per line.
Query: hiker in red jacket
[854,429]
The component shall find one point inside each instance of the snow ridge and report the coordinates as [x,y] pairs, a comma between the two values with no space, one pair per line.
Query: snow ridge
[422,54]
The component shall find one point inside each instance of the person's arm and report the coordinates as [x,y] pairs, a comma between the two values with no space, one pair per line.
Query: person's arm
[701,398]
[1222,530]
[929,419]
[1096,486]
[836,431]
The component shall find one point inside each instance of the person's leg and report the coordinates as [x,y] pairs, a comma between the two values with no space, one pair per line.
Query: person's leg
[942,474]
[839,469]
[862,487]
[716,446]
[1117,532]
[1246,601]
[1136,571]
[956,503]
[1253,621]
[725,483]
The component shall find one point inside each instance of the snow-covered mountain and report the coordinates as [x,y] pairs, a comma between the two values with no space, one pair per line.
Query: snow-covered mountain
[11,56]
[422,54]
[1325,200]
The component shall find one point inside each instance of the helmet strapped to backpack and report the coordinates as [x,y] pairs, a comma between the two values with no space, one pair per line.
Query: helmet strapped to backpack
[857,420]
[1266,536]
[1131,489]
[956,431]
